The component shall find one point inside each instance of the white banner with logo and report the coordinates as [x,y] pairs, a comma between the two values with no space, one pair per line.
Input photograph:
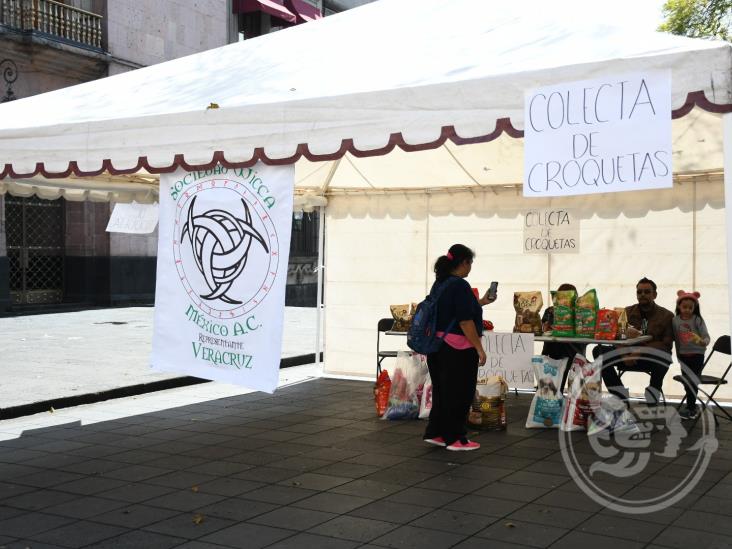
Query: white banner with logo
[223,247]
[509,355]
[599,136]
[551,231]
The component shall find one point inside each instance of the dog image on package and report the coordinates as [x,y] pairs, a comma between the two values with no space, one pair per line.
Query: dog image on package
[547,404]
[584,385]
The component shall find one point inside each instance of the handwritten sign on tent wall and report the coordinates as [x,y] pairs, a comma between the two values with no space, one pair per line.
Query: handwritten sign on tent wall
[598,136]
[551,231]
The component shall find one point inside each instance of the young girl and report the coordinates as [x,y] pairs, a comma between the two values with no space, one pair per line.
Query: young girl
[691,337]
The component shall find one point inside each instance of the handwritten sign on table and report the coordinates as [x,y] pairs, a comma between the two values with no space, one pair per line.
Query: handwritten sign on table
[509,356]
[551,231]
[598,136]
[133,218]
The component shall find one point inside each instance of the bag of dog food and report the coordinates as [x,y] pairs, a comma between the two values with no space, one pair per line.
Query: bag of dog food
[584,388]
[607,324]
[585,314]
[546,406]
[488,412]
[406,386]
[527,306]
[622,322]
[563,323]
[402,315]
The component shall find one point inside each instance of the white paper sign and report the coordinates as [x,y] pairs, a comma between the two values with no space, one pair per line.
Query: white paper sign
[223,248]
[133,218]
[508,355]
[551,231]
[599,136]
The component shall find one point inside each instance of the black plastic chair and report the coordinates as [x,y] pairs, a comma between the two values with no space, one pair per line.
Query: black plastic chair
[722,345]
[384,325]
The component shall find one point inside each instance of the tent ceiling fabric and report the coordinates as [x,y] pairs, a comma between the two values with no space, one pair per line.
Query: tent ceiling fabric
[388,84]
[125,189]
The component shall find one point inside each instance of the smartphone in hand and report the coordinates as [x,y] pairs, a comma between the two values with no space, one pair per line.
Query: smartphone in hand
[493,290]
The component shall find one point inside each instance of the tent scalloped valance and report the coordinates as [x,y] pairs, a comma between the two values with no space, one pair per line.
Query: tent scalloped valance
[503,125]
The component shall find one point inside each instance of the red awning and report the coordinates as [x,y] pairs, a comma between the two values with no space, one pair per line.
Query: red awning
[275,8]
[305,11]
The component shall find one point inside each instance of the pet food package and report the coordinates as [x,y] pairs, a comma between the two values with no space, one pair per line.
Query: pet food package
[563,302]
[406,386]
[528,306]
[547,404]
[402,315]
[584,388]
[488,411]
[622,322]
[585,314]
[607,324]
[425,406]
[381,392]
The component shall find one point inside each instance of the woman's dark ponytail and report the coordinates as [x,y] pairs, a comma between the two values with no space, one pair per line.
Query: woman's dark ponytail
[447,263]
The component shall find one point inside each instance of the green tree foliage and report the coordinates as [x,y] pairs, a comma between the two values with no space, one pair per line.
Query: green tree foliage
[698,18]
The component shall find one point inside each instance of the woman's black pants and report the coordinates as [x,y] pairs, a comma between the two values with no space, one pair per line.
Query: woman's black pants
[454,375]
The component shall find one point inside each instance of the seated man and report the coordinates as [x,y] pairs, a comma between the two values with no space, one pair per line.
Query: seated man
[645,318]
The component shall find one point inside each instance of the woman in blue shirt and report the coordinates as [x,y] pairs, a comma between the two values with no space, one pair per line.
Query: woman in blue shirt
[454,368]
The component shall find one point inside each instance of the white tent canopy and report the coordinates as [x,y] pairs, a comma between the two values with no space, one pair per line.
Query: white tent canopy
[395,74]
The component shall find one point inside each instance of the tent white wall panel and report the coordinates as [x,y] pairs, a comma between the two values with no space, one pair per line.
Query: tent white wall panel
[710,257]
[377,253]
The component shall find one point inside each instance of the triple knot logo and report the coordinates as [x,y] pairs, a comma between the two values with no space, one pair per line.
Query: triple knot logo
[225,247]
[220,243]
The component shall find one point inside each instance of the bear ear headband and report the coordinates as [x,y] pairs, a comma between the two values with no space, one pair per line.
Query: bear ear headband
[690,295]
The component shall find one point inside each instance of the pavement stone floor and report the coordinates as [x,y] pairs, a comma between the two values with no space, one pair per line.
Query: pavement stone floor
[51,356]
[310,466]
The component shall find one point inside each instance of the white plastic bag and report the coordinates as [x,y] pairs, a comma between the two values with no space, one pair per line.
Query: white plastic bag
[425,406]
[406,386]
[548,402]
[612,416]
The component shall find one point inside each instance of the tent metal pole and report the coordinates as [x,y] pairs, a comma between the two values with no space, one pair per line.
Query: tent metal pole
[319,314]
[331,174]
[727,142]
